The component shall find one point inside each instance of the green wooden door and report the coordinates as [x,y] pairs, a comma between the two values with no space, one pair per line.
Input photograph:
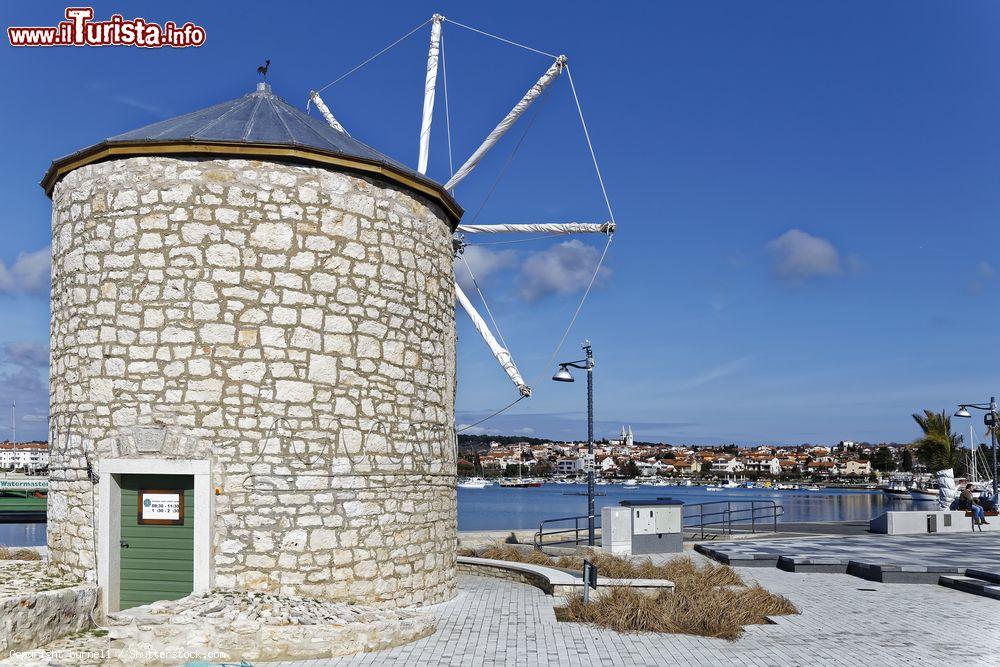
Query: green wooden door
[158,563]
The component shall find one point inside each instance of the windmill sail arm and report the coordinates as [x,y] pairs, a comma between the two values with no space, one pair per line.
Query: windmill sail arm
[501,353]
[533,94]
[430,83]
[542,228]
[325,112]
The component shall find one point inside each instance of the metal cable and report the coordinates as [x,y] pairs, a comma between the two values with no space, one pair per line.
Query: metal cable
[593,156]
[501,39]
[501,410]
[485,304]
[579,307]
[510,158]
[362,64]
[447,111]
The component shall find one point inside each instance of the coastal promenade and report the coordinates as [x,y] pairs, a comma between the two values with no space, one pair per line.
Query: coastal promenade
[844,621]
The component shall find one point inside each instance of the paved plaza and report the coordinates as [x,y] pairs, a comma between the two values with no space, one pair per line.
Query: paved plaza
[844,621]
[942,552]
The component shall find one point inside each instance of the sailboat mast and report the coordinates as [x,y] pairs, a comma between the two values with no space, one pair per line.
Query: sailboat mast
[972,448]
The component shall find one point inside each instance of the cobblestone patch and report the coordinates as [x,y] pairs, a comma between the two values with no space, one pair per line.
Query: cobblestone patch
[23,577]
[38,606]
[84,649]
[235,625]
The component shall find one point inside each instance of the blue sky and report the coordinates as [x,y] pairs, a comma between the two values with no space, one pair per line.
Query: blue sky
[806,194]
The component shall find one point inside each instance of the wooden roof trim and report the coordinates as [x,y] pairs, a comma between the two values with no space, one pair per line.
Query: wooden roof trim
[105,151]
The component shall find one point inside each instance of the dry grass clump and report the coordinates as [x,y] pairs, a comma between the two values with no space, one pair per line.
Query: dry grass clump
[503,551]
[6,553]
[709,601]
[677,570]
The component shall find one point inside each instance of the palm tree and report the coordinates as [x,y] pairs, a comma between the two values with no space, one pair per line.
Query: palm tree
[938,448]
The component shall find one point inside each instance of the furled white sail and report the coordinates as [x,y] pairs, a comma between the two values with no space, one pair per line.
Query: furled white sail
[501,353]
[325,112]
[947,490]
[430,83]
[533,94]
[543,228]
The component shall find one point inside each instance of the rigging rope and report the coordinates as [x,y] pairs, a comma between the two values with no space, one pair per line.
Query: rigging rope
[548,363]
[362,64]
[483,298]
[491,416]
[593,155]
[579,307]
[501,39]
[447,112]
[534,238]
[510,158]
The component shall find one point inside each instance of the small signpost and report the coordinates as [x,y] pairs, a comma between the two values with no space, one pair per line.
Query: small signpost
[589,580]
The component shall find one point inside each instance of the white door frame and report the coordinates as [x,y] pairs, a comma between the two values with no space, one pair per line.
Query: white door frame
[109,520]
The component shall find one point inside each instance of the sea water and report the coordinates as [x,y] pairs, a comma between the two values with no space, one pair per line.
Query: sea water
[497,508]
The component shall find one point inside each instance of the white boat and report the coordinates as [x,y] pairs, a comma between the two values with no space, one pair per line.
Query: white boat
[812,488]
[630,483]
[474,483]
[896,489]
[921,494]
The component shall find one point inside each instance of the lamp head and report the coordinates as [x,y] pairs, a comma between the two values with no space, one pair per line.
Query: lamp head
[562,375]
[962,412]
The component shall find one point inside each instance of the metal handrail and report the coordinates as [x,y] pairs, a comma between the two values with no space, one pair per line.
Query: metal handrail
[765,511]
[539,537]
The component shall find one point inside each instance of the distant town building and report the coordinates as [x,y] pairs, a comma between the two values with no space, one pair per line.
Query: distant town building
[569,467]
[28,456]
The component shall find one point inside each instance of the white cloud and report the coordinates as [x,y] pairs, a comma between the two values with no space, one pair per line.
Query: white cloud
[141,105]
[29,354]
[483,262]
[562,269]
[719,372]
[798,256]
[983,275]
[29,274]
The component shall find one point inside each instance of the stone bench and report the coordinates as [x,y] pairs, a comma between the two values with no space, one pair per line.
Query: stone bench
[916,522]
[550,579]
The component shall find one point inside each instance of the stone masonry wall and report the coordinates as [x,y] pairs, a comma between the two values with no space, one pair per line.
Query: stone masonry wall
[291,324]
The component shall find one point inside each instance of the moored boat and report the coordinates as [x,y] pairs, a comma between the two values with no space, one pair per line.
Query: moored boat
[474,483]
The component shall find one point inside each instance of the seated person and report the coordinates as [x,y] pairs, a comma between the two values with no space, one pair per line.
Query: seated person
[967,502]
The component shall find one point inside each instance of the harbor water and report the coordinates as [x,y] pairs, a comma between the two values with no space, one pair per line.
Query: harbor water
[496,508]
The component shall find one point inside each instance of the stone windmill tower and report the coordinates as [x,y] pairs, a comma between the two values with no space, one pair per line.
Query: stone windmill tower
[253,362]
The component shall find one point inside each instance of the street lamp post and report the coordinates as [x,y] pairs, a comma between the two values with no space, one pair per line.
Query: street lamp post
[992,420]
[563,375]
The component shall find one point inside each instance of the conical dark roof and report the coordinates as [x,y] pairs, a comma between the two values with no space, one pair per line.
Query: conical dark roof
[259,124]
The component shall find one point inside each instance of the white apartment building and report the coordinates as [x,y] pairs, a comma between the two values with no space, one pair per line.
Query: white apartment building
[569,467]
[24,456]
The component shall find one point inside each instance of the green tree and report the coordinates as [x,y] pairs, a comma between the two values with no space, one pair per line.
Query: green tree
[630,469]
[882,459]
[938,447]
[906,460]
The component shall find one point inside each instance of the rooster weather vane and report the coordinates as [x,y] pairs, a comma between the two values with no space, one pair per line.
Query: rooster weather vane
[262,70]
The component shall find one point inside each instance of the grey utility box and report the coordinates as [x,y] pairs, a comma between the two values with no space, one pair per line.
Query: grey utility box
[642,527]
